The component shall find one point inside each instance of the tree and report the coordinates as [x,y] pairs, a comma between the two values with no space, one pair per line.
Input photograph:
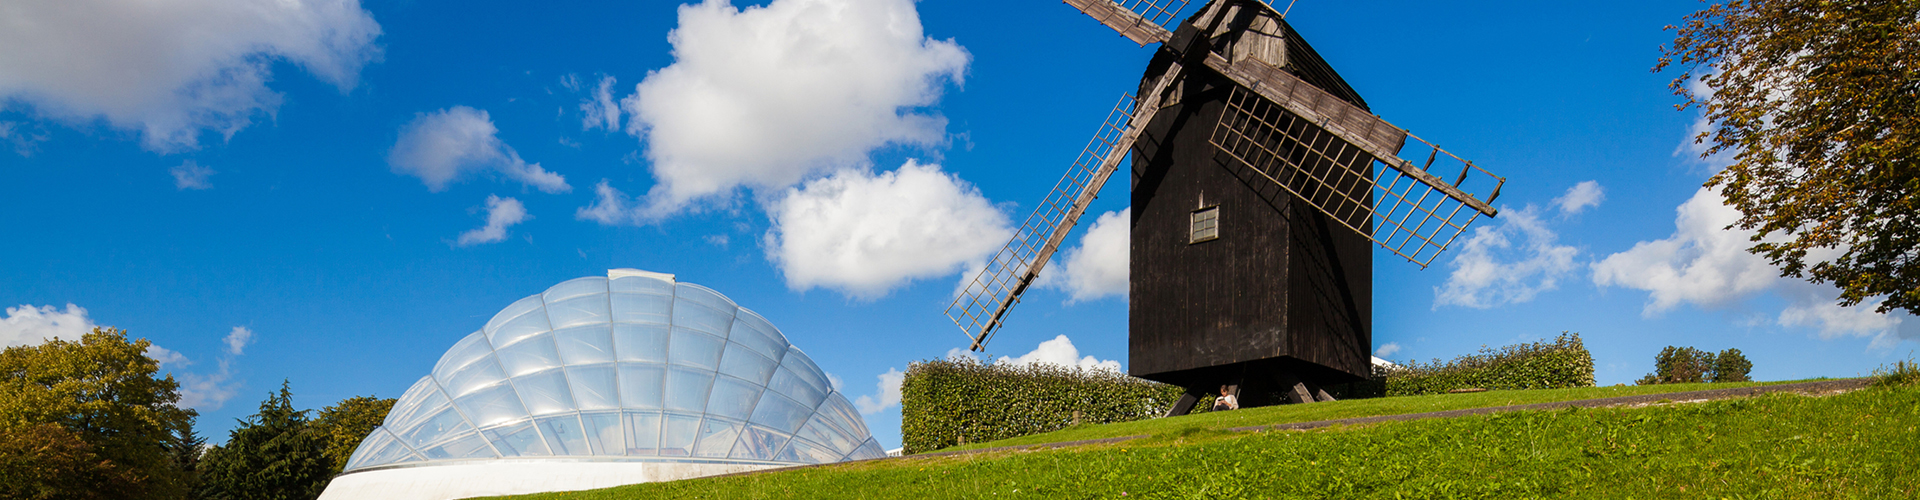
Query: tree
[1819,103]
[1731,366]
[88,419]
[347,423]
[274,455]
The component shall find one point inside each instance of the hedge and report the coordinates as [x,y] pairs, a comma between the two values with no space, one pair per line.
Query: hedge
[946,403]
[1564,362]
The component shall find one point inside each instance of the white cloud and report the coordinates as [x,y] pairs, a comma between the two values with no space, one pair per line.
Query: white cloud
[1061,351]
[1490,271]
[600,110]
[888,395]
[442,146]
[190,175]
[207,392]
[23,142]
[29,325]
[865,234]
[1580,197]
[765,96]
[238,339]
[164,356]
[170,70]
[1387,349]
[609,207]
[1098,267]
[502,213]
[1706,264]
[1702,263]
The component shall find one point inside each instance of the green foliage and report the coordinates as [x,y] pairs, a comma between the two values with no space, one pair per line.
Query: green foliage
[276,454]
[1731,366]
[1903,373]
[1849,445]
[1562,363]
[946,402]
[1819,104]
[345,424]
[1686,365]
[88,419]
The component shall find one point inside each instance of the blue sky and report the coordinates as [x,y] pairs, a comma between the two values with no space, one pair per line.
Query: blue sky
[334,192]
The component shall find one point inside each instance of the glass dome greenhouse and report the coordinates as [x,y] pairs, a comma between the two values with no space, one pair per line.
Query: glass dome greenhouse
[635,367]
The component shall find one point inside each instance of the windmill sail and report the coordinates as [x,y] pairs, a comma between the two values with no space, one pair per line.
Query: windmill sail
[1282,129]
[981,307]
[1143,21]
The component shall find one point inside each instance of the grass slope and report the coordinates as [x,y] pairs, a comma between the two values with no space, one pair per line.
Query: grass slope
[1855,445]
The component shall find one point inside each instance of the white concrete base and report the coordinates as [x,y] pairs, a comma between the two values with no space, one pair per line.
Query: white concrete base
[513,477]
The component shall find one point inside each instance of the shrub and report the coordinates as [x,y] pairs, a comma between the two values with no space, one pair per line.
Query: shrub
[1564,362]
[1685,365]
[1902,373]
[951,402]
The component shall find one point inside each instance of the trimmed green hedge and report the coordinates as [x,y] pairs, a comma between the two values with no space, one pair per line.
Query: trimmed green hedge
[1564,362]
[946,403]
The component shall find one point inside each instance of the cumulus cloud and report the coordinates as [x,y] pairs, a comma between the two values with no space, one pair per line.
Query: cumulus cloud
[765,96]
[1706,264]
[171,70]
[1702,263]
[887,396]
[164,356]
[1060,351]
[600,110]
[865,234]
[208,391]
[444,145]
[502,213]
[610,206]
[1098,267]
[238,339]
[190,175]
[1580,197]
[29,325]
[1493,269]
[1387,349]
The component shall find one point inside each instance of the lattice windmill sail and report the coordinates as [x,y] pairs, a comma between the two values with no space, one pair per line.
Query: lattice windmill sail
[1291,132]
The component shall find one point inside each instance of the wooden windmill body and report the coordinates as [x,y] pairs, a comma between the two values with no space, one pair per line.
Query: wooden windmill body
[1260,183]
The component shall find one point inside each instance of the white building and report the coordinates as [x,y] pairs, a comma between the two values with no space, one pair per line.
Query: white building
[602,382]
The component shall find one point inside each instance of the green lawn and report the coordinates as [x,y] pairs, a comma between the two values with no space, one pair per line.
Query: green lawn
[1860,444]
[1343,409]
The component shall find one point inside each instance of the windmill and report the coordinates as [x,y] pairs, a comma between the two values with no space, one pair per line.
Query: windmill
[1260,182]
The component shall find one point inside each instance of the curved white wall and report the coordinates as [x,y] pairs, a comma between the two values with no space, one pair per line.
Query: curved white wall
[512,477]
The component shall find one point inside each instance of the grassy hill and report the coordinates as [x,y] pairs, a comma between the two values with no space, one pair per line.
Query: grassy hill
[1860,444]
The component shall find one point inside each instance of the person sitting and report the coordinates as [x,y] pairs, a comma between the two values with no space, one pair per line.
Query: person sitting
[1226,401]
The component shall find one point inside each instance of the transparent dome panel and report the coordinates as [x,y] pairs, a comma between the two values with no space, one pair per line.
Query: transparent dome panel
[604,433]
[758,443]
[441,425]
[564,435]
[468,446]
[593,387]
[819,431]
[691,314]
[705,296]
[695,349]
[470,349]
[641,284]
[545,393]
[642,386]
[800,450]
[582,310]
[517,439]
[574,288]
[733,398]
[640,343]
[869,451]
[526,325]
[779,413]
[789,384]
[536,353]
[516,310]
[642,308]
[750,331]
[415,404]
[643,433]
[739,361]
[844,416]
[687,389]
[491,405]
[473,377]
[804,368]
[676,436]
[716,437]
[585,345]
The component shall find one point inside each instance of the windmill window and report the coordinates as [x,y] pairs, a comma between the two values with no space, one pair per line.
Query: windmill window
[1205,225]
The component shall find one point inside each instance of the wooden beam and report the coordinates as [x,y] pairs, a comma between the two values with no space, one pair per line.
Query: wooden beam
[1123,20]
[1344,120]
